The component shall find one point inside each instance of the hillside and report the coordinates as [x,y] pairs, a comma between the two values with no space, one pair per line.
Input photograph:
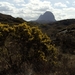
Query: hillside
[8,19]
[36,48]
[52,29]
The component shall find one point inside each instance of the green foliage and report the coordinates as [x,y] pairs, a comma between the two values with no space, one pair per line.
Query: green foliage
[24,44]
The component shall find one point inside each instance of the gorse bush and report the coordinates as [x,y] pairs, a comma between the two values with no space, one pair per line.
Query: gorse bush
[20,44]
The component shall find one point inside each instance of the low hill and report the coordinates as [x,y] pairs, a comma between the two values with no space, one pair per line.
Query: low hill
[52,29]
[64,22]
[8,19]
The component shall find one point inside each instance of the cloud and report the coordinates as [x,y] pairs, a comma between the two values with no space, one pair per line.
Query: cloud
[73,3]
[65,13]
[38,5]
[34,8]
[19,1]
[8,8]
[67,2]
[59,4]
[5,6]
[28,11]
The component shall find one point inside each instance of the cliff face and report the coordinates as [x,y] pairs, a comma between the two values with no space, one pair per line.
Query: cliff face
[47,17]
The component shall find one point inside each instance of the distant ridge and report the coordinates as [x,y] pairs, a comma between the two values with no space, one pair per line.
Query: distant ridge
[8,19]
[65,22]
[47,17]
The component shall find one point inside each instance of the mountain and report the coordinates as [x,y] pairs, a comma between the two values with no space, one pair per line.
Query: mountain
[8,19]
[47,17]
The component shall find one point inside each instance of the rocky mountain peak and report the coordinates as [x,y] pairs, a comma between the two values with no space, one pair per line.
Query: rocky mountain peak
[46,17]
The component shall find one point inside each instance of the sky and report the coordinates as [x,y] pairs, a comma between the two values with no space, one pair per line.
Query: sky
[32,9]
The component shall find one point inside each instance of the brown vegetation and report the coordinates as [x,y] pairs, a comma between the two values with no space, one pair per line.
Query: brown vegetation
[25,49]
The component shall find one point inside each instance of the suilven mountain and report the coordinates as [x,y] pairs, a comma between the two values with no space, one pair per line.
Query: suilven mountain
[47,17]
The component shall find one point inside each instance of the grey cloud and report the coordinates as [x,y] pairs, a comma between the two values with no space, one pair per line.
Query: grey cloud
[32,10]
[5,6]
[59,4]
